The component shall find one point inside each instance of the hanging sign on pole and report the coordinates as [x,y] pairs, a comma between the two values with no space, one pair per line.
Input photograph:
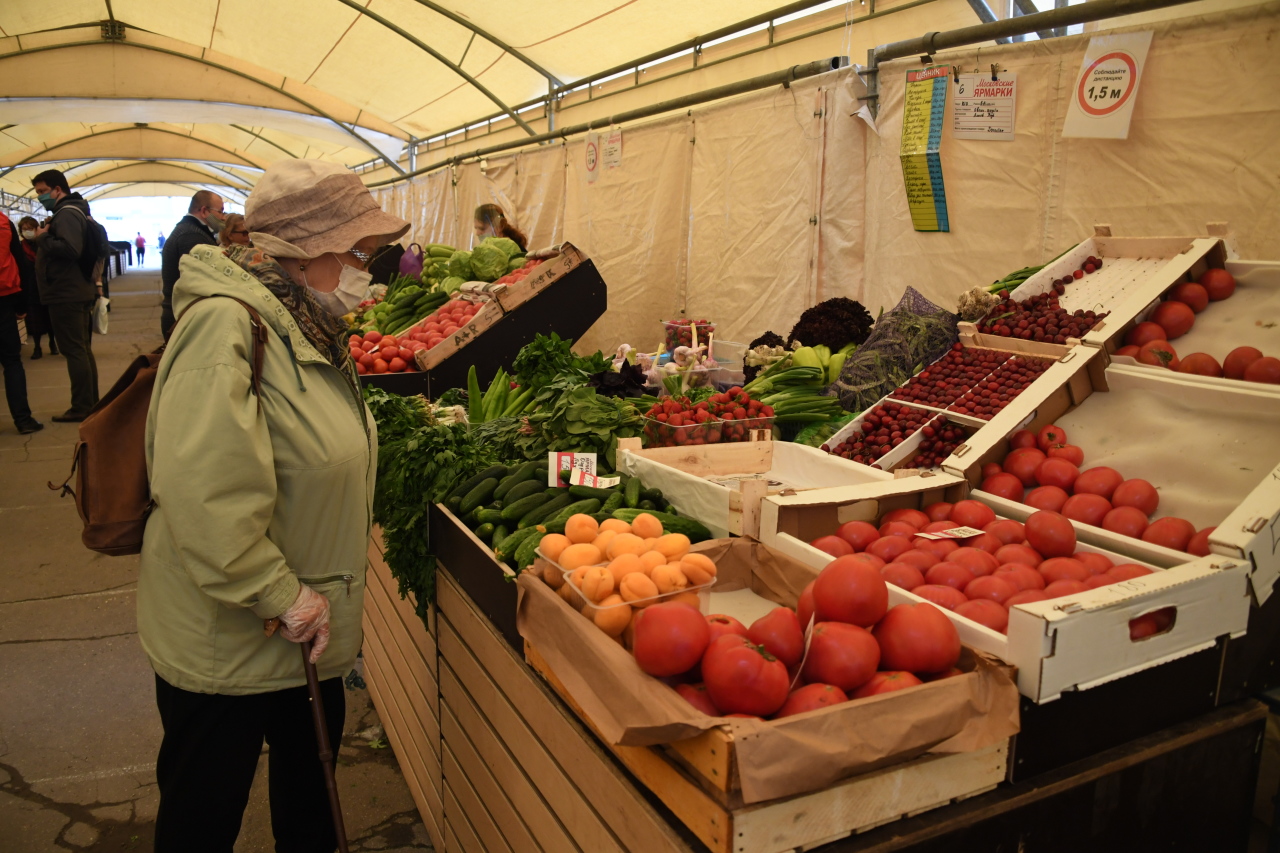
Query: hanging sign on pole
[925,104]
[1107,87]
[592,157]
[984,106]
[611,151]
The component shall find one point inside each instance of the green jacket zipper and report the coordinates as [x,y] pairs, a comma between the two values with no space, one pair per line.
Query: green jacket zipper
[321,581]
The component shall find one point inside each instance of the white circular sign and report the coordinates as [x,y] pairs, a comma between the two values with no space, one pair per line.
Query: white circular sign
[1106,84]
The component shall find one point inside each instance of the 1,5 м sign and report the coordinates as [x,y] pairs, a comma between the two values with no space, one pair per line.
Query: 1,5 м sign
[1107,87]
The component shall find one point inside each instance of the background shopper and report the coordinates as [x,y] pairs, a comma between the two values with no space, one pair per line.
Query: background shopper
[37,312]
[199,227]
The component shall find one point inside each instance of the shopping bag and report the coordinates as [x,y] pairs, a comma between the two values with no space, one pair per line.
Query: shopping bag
[100,315]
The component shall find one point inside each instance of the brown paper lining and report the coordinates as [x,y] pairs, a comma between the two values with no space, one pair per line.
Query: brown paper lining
[774,759]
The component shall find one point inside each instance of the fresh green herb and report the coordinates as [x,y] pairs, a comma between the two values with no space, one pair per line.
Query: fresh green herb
[582,420]
[545,358]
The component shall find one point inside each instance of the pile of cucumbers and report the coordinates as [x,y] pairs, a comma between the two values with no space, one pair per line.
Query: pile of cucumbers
[510,509]
[404,305]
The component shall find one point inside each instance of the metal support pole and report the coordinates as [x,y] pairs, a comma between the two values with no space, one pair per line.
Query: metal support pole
[1028,7]
[984,13]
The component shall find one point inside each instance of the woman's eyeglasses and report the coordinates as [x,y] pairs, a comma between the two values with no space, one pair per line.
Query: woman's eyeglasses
[364,257]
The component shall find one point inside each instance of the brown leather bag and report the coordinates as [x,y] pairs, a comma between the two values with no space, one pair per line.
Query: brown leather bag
[109,465]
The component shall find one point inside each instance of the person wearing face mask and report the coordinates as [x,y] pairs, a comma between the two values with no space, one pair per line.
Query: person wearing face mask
[199,227]
[233,233]
[262,509]
[37,312]
[490,221]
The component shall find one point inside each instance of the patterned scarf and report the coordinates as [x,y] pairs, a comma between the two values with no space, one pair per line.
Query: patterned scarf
[322,329]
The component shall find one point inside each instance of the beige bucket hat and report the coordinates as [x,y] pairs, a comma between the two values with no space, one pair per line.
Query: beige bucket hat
[305,208]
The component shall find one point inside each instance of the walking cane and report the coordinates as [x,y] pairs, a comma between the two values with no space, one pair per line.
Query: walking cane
[322,737]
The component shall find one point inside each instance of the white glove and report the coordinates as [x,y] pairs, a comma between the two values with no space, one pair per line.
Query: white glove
[307,619]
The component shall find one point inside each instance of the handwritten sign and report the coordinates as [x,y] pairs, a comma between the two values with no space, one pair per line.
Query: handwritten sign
[1107,87]
[611,151]
[925,105]
[984,108]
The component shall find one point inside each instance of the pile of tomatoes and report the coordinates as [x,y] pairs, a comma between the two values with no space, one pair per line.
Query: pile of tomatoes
[981,576]
[374,352]
[1043,470]
[857,647]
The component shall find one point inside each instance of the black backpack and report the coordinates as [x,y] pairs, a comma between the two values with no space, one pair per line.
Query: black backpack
[96,247]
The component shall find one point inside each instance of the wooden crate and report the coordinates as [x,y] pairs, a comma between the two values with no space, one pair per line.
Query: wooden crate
[722,485]
[697,780]
[551,270]
[485,319]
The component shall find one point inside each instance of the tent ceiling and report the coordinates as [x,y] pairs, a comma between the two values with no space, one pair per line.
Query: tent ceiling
[161,188]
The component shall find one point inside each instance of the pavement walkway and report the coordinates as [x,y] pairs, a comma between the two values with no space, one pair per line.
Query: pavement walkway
[78,727]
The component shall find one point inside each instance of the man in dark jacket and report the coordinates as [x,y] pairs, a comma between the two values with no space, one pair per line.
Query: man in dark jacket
[204,219]
[65,269]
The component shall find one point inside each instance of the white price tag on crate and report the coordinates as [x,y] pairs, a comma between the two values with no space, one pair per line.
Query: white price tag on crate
[953,533]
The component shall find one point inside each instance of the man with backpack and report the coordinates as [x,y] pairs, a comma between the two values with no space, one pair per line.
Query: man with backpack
[67,250]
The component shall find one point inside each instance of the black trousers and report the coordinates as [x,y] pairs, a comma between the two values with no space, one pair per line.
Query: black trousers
[15,378]
[73,329]
[141,251]
[210,753]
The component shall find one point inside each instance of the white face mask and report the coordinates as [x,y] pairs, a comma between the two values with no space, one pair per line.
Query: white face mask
[353,284]
[28,235]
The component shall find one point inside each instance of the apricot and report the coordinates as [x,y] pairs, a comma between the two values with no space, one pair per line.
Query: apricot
[625,543]
[603,541]
[617,525]
[553,544]
[651,560]
[580,554]
[596,583]
[646,526]
[612,616]
[673,546]
[669,578]
[581,528]
[635,587]
[698,568]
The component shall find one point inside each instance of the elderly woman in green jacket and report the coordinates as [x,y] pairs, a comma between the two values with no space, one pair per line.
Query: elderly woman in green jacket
[262,505]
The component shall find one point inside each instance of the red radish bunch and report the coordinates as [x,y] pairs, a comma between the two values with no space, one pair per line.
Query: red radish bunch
[881,429]
[950,377]
[1044,471]
[978,577]
[680,332]
[741,413]
[999,389]
[941,438]
[374,352]
[1041,318]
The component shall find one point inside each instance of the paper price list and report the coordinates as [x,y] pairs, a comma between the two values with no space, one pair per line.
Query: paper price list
[984,108]
[924,108]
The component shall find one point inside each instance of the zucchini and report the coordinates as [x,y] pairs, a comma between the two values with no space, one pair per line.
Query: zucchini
[670,523]
[523,490]
[584,492]
[544,510]
[586,507]
[489,516]
[508,545]
[485,532]
[498,471]
[479,496]
[525,553]
[519,475]
[632,492]
[614,502]
[517,510]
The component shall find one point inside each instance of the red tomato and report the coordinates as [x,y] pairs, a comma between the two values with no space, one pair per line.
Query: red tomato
[949,574]
[859,534]
[1019,553]
[1193,295]
[1057,472]
[1051,534]
[1058,589]
[1022,438]
[1265,370]
[396,365]
[1098,481]
[811,697]
[1176,318]
[1049,498]
[804,607]
[845,656]
[944,596]
[939,526]
[850,590]
[1064,569]
[898,528]
[1126,520]
[991,587]
[1069,452]
[368,345]
[940,548]
[971,513]
[1219,283]
[991,614]
[902,575]
[1008,531]
[917,558]
[917,638]
[1027,596]
[779,632]
[1150,624]
[833,545]
[1159,353]
[361,369]
[741,678]
[1170,532]
[876,562]
[1130,350]
[886,682]
[1095,563]
[721,625]
[1021,576]
[379,366]
[1144,333]
[1049,436]
[1238,360]
[696,695]
[670,639]
[976,560]
[889,548]
[985,542]
[1096,581]
[1127,571]
[1087,508]
[940,511]
[1023,462]
[372,337]
[406,353]
[914,517]
[354,341]
[1199,544]
[390,341]
[1003,485]
[1200,364]
[1136,493]
[990,470]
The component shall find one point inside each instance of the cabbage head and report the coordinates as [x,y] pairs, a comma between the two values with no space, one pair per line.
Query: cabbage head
[460,265]
[509,247]
[489,262]
[452,283]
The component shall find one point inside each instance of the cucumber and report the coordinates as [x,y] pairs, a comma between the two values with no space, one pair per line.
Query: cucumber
[584,492]
[525,553]
[489,516]
[545,510]
[517,510]
[498,471]
[507,547]
[586,507]
[632,492]
[525,472]
[453,503]
[523,490]
[670,523]
[601,516]
[654,495]
[479,495]
[614,502]
[484,532]
[648,506]
[552,527]
[500,532]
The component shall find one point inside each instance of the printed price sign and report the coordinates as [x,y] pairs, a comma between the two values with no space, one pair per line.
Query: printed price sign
[925,103]
[1107,87]
[611,153]
[952,533]
[984,108]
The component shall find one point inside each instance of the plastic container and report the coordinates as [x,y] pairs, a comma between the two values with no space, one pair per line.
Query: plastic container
[718,431]
[590,608]
[680,333]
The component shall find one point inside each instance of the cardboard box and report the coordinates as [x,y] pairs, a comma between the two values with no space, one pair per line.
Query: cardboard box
[1069,643]
[484,319]
[512,296]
